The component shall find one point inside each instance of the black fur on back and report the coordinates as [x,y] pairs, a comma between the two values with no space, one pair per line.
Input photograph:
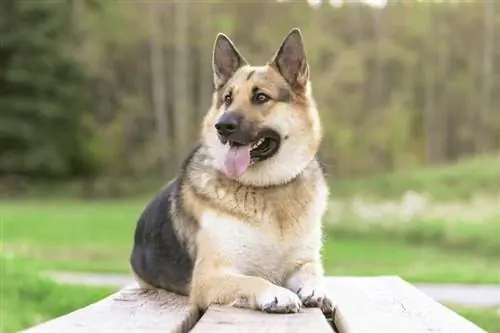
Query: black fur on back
[158,257]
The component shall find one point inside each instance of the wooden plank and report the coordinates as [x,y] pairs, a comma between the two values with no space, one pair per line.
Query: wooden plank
[223,319]
[390,305]
[127,311]
[366,304]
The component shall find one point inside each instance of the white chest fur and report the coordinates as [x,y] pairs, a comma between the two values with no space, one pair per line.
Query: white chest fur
[259,250]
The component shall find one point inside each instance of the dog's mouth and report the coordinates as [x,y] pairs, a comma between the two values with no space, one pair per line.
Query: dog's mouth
[243,153]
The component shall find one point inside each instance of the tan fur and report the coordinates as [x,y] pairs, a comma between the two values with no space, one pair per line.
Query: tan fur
[268,233]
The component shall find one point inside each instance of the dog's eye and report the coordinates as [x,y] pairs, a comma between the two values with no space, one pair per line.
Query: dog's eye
[260,98]
[228,99]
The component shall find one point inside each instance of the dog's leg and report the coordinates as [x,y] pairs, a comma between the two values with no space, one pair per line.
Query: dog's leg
[308,283]
[231,288]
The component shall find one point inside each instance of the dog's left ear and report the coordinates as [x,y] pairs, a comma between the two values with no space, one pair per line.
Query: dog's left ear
[291,60]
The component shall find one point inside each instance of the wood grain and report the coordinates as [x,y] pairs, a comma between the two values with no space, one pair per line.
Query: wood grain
[390,305]
[127,311]
[363,304]
[226,319]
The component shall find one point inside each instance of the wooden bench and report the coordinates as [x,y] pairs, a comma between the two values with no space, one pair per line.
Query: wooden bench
[363,304]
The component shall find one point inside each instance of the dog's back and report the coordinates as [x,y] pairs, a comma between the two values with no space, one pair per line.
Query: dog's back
[158,256]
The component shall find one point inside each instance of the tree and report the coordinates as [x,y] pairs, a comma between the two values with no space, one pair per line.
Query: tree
[158,85]
[182,114]
[487,76]
[44,92]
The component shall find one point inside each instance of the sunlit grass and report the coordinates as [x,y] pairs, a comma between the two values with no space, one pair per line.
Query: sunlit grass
[27,299]
[460,180]
[486,318]
[97,236]
[467,225]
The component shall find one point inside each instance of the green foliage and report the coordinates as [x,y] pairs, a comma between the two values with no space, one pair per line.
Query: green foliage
[395,87]
[27,298]
[44,92]
[459,180]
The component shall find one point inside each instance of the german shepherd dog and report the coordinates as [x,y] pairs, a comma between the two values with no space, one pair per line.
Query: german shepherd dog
[241,223]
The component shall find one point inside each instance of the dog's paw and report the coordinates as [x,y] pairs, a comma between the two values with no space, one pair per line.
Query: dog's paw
[279,300]
[315,298]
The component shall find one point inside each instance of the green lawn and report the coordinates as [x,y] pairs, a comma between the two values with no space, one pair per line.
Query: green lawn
[411,262]
[97,236]
[488,319]
[28,299]
[459,180]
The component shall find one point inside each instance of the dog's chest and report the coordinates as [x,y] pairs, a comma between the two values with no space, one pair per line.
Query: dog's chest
[261,250]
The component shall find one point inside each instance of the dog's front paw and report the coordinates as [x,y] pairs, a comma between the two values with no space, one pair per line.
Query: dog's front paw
[315,298]
[278,300]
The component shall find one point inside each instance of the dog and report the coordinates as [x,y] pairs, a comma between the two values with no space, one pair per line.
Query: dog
[241,224]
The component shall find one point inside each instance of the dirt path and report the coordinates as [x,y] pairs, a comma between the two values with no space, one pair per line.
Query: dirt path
[460,294]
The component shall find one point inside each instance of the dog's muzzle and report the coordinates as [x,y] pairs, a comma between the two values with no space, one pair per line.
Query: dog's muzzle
[228,124]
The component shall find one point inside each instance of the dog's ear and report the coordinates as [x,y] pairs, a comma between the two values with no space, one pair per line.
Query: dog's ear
[226,60]
[291,60]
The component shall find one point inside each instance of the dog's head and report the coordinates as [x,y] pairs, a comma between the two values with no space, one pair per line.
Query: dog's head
[263,127]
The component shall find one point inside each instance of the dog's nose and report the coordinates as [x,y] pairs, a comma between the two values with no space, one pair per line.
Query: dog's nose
[228,123]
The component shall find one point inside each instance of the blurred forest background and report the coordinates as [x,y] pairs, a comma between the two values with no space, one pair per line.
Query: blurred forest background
[111,93]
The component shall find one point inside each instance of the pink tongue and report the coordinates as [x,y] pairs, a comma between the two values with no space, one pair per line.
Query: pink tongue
[237,161]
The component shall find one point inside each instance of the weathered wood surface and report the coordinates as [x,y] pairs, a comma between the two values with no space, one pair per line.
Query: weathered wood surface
[390,305]
[130,311]
[364,304]
[224,319]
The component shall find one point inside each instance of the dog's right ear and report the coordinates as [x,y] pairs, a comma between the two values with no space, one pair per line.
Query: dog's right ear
[291,59]
[226,60]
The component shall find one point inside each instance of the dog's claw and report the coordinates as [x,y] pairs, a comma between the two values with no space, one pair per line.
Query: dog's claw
[279,300]
[315,298]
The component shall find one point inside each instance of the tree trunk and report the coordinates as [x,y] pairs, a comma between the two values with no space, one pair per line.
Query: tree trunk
[443,112]
[205,81]
[182,114]
[430,120]
[487,70]
[377,89]
[158,86]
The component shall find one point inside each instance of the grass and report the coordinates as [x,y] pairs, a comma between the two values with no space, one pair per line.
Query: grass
[367,257]
[28,299]
[97,236]
[454,236]
[468,225]
[461,180]
[486,318]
